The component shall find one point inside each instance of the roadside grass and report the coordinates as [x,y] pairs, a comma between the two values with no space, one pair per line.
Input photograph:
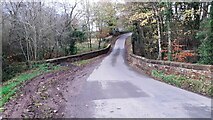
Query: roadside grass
[201,86]
[84,46]
[10,87]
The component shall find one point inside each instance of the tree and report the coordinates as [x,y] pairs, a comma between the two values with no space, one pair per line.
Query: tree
[148,22]
[211,17]
[168,21]
[104,17]
[36,31]
[206,37]
[89,22]
[159,26]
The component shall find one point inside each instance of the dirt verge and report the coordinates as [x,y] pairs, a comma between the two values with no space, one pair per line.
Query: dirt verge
[44,96]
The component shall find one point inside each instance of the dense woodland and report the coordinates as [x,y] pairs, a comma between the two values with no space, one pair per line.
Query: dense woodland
[175,31]
[34,31]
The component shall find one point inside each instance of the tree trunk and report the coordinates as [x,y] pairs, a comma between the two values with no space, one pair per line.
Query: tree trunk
[169,30]
[140,41]
[159,40]
[22,49]
[99,43]
[196,16]
[211,17]
[159,30]
[90,39]
[88,23]
[205,10]
[35,44]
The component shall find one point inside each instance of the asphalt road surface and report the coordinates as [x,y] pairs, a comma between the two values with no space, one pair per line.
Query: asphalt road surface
[114,90]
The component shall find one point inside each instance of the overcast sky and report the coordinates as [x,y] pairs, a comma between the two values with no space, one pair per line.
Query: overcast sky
[70,1]
[121,1]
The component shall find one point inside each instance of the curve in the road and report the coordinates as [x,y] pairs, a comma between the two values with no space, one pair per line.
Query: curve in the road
[115,90]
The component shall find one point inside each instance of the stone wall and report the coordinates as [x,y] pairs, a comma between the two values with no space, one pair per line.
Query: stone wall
[193,71]
[84,56]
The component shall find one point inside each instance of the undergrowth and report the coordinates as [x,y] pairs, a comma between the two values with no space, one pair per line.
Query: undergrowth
[10,87]
[203,87]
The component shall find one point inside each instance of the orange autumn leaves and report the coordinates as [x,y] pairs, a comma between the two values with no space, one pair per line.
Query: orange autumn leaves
[178,53]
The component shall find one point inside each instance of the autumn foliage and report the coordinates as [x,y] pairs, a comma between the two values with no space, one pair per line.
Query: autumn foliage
[178,54]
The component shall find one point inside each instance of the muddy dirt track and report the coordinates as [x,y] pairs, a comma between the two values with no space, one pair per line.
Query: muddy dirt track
[45,96]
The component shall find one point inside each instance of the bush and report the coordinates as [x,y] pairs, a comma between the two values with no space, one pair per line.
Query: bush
[10,70]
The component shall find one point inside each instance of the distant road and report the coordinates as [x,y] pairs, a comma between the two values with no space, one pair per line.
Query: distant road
[116,90]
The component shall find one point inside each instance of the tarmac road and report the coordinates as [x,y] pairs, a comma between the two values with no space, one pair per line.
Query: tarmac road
[114,90]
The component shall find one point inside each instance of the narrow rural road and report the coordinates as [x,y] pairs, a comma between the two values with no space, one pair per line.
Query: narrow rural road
[116,90]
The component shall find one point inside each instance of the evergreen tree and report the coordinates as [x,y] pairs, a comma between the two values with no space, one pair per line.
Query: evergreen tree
[206,37]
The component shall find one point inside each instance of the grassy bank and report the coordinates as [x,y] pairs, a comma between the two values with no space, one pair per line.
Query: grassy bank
[84,46]
[10,87]
[201,86]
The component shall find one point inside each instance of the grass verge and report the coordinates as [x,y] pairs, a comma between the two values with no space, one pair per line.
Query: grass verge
[84,46]
[203,87]
[10,87]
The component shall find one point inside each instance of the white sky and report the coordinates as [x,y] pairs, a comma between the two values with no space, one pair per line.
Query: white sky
[121,1]
[61,1]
